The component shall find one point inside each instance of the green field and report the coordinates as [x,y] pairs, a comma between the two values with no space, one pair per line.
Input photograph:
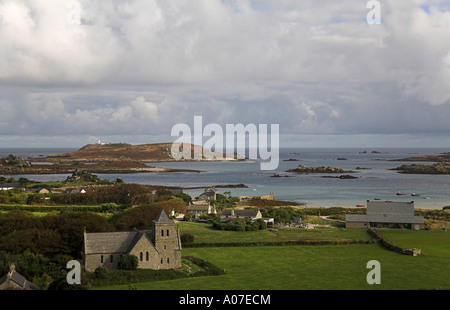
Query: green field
[205,234]
[315,267]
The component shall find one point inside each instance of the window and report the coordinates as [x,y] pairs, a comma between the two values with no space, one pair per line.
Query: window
[162,232]
[167,233]
[111,258]
[146,256]
[167,260]
[165,247]
[101,259]
[161,260]
[141,256]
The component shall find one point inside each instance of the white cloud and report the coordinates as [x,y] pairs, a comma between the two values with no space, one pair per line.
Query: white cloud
[141,66]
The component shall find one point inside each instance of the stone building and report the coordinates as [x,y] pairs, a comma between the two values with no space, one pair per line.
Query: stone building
[210,194]
[386,214]
[15,281]
[159,248]
[202,207]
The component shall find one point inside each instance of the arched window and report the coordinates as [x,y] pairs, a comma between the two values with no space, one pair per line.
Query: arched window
[141,256]
[167,260]
[146,256]
[162,232]
[161,260]
[167,233]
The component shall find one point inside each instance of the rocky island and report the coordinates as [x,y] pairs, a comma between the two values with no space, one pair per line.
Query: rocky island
[443,157]
[437,168]
[323,169]
[441,164]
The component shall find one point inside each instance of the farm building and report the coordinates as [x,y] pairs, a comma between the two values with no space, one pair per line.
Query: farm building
[386,214]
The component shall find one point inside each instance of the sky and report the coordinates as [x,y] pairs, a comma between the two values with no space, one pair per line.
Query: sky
[130,70]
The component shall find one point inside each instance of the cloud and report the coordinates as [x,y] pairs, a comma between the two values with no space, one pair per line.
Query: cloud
[138,67]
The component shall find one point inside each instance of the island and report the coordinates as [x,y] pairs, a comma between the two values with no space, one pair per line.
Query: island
[437,168]
[441,164]
[323,169]
[443,157]
[100,158]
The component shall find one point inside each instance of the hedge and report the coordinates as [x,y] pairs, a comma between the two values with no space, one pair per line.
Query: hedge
[96,209]
[278,243]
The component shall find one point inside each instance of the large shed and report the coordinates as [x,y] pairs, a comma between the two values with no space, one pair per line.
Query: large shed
[386,214]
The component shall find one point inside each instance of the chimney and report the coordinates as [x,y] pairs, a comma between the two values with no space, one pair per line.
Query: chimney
[12,268]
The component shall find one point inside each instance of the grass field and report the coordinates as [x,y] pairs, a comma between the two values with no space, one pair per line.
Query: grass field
[315,267]
[205,234]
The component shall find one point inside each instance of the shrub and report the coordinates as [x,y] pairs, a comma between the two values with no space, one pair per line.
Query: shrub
[187,238]
[101,272]
[128,262]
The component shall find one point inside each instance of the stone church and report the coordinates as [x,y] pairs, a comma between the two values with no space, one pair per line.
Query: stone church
[159,248]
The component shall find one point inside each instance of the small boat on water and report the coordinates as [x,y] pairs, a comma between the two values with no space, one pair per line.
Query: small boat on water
[415,195]
[400,194]
[360,206]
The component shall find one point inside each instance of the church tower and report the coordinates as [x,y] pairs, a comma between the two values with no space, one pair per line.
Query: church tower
[167,242]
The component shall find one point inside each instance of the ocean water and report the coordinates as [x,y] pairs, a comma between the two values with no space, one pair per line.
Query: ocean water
[377,181]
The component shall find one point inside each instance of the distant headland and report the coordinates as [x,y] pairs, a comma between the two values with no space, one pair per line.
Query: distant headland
[99,158]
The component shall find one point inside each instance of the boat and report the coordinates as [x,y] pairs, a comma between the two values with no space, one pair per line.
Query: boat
[360,206]
[399,194]
[415,195]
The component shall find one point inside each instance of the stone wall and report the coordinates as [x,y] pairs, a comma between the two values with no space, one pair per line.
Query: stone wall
[390,246]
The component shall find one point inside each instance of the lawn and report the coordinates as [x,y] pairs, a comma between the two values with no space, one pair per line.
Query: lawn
[316,267]
[435,242]
[312,267]
[203,233]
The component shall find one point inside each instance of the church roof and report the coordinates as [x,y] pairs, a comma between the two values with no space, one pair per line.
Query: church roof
[163,218]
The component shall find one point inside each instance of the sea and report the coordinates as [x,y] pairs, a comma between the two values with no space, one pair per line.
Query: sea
[375,178]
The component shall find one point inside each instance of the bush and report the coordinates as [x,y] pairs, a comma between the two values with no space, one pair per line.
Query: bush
[187,238]
[101,272]
[128,262]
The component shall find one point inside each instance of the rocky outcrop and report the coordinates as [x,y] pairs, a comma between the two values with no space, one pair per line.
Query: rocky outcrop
[323,169]
[438,168]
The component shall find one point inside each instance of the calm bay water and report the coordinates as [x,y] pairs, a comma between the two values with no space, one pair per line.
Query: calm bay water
[375,182]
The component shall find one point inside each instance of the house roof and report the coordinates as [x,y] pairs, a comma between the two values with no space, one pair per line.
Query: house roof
[9,185]
[20,280]
[240,212]
[199,206]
